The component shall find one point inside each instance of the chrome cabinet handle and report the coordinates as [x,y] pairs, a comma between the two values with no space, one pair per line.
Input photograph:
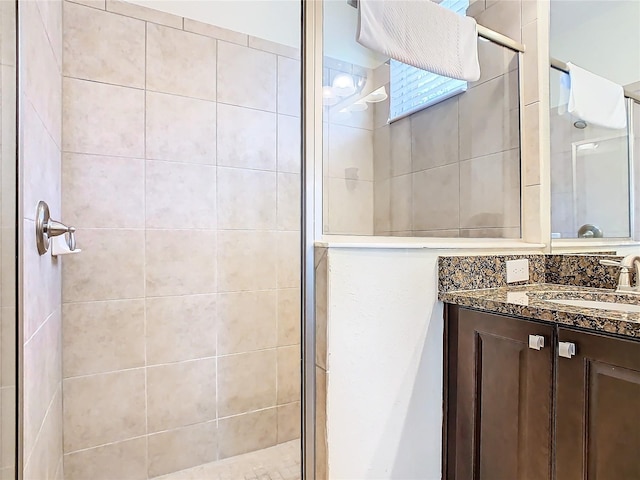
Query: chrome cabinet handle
[566,349]
[46,229]
[536,342]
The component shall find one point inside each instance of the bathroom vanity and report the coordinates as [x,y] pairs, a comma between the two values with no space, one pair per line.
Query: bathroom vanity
[537,385]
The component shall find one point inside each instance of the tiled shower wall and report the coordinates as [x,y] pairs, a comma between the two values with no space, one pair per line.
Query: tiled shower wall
[181,171]
[453,169]
[40,27]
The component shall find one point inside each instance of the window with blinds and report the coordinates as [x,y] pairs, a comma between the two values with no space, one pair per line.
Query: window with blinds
[412,89]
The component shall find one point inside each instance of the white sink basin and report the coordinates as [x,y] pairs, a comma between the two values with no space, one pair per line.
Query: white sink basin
[618,307]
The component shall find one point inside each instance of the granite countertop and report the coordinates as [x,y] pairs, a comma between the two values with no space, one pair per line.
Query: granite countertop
[528,301]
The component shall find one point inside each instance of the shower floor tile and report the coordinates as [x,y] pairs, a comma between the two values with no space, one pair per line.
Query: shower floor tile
[281,462]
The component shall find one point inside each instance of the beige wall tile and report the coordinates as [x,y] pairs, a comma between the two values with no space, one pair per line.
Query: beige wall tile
[504,17]
[47,451]
[434,135]
[248,321]
[288,422]
[9,419]
[436,233]
[182,448]
[181,63]
[289,188]
[122,460]
[42,80]
[288,316]
[120,182]
[490,191]
[215,32]
[246,77]
[530,61]
[382,153]
[435,198]
[513,232]
[8,34]
[180,328]
[289,259]
[289,81]
[273,47]
[289,149]
[41,275]
[246,433]
[103,119]
[322,460]
[113,53]
[51,14]
[103,408]
[381,206]
[531,144]
[495,60]
[246,260]
[101,4]
[98,273]
[42,377]
[180,195]
[246,382]
[40,167]
[289,374]
[531,224]
[350,206]
[195,381]
[180,129]
[350,153]
[401,198]
[246,138]
[486,123]
[363,119]
[400,144]
[321,271]
[529,12]
[246,199]
[103,336]
[149,14]
[180,262]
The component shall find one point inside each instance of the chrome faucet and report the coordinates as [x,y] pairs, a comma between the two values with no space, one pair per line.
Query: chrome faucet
[629,262]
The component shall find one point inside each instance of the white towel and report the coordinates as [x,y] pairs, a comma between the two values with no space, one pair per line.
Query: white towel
[421,33]
[595,99]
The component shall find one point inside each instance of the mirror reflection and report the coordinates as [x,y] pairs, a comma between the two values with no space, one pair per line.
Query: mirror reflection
[592,136]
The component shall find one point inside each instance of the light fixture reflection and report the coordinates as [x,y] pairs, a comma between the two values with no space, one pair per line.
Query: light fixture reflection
[329,96]
[343,85]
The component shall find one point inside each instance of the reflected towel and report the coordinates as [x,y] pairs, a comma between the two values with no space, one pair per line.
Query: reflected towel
[595,99]
[421,33]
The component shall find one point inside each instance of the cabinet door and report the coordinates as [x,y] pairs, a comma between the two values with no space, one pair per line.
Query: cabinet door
[499,398]
[598,409]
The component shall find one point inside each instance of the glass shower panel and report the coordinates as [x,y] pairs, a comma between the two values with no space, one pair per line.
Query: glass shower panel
[184,305]
[8,217]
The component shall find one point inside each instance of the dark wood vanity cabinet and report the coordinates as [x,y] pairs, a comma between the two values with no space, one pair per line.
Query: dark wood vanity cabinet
[517,413]
[499,398]
[598,408]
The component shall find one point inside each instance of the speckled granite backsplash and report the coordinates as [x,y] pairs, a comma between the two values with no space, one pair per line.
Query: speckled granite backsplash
[489,271]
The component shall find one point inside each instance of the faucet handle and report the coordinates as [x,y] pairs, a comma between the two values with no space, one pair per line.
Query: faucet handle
[611,263]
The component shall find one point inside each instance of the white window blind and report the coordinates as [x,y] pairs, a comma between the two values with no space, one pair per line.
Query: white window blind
[412,89]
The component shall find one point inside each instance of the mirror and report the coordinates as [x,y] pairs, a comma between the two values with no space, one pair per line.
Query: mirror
[592,186]
[411,154]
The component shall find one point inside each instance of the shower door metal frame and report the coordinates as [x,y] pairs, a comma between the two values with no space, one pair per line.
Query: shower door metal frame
[311,210]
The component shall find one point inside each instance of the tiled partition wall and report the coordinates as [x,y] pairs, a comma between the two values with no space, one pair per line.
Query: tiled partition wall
[40,98]
[181,172]
[7,238]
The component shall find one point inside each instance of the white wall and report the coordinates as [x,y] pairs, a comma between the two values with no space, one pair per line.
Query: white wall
[384,393]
